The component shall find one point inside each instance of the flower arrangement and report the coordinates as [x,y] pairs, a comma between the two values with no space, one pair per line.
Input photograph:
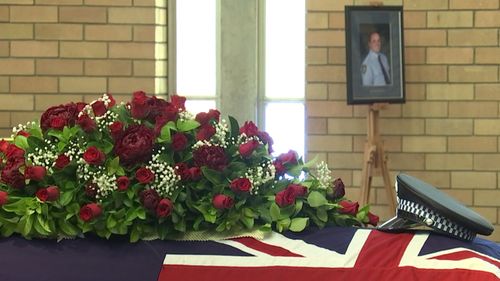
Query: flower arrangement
[149,168]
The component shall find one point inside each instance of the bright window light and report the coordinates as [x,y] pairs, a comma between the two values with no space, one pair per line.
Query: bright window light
[197,106]
[286,125]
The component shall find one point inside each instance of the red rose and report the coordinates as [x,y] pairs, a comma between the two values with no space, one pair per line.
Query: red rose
[90,212]
[50,194]
[247,148]
[112,100]
[182,170]
[57,117]
[213,157]
[4,197]
[136,145]
[205,132]
[139,108]
[214,114]
[179,141]
[116,130]
[91,190]
[285,197]
[266,139]
[23,133]
[288,158]
[122,183]
[249,129]
[178,102]
[35,173]
[338,188]
[350,208]
[11,176]
[203,118]
[241,185]
[87,124]
[99,108]
[280,168]
[3,146]
[297,189]
[164,208]
[14,153]
[62,161]
[221,201]
[144,175]
[149,198]
[159,107]
[373,219]
[94,156]
[195,173]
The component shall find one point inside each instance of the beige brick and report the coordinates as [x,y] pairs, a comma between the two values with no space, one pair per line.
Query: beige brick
[316,91]
[415,92]
[336,20]
[337,91]
[486,197]
[472,37]
[400,126]
[33,84]
[4,84]
[108,67]
[426,73]
[16,31]
[327,5]
[316,56]
[132,50]
[59,31]
[42,102]
[472,144]
[4,119]
[82,14]
[414,19]
[473,180]
[336,56]
[17,66]
[391,143]
[347,126]
[83,50]
[34,49]
[425,109]
[82,85]
[33,14]
[450,19]
[463,196]
[329,143]
[326,73]
[144,33]
[450,91]
[488,55]
[151,3]
[393,110]
[486,162]
[448,127]
[425,4]
[472,5]
[487,127]
[489,213]
[473,109]
[59,67]
[328,109]
[144,68]
[487,18]
[109,2]
[345,160]
[4,14]
[131,15]
[24,117]
[108,32]
[317,20]
[414,55]
[450,55]
[325,38]
[4,49]
[16,102]
[425,37]
[59,2]
[473,73]
[130,85]
[439,179]
[448,161]
[487,91]
[424,144]
[316,126]
[406,161]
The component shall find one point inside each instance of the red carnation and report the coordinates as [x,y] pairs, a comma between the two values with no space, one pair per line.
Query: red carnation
[50,194]
[221,201]
[241,185]
[350,208]
[178,102]
[122,182]
[246,149]
[136,145]
[4,197]
[213,157]
[87,124]
[149,198]
[94,156]
[179,141]
[35,173]
[144,175]
[99,108]
[10,175]
[116,130]
[249,129]
[90,212]
[373,219]
[14,153]
[205,132]
[164,208]
[56,117]
[62,161]
[3,146]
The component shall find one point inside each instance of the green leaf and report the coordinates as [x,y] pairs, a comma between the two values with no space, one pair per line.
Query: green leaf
[274,211]
[21,142]
[322,214]
[298,224]
[66,198]
[283,224]
[213,176]
[311,163]
[316,199]
[111,222]
[298,206]
[235,127]
[41,226]
[249,213]
[141,213]
[67,228]
[27,224]
[135,234]
[187,125]
[247,221]
[165,132]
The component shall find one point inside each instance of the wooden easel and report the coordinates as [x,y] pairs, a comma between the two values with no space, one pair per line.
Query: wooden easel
[374,160]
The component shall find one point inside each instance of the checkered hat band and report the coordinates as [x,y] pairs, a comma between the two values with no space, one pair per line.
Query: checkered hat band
[434,220]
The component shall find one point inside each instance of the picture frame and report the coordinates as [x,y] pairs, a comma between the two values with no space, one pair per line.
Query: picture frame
[374,54]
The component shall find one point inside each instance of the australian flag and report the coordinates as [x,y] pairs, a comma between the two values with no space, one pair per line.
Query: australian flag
[336,254]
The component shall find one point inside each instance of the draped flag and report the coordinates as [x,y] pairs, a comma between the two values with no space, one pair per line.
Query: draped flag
[337,254]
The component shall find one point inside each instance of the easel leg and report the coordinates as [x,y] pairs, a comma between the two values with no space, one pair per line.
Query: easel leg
[366,175]
[391,193]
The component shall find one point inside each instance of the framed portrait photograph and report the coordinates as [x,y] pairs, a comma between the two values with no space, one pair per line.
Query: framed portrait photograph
[375,54]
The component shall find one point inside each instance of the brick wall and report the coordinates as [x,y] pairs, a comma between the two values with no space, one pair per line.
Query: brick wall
[448,131]
[54,51]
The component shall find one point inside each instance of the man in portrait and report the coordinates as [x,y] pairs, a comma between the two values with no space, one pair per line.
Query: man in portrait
[375,69]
